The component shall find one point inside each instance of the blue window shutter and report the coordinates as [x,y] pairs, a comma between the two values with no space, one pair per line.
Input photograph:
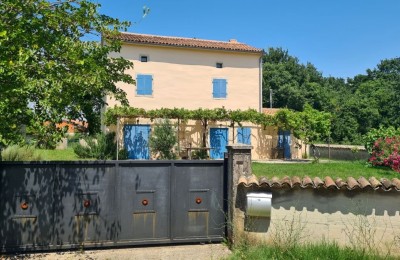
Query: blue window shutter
[144,84]
[244,135]
[219,88]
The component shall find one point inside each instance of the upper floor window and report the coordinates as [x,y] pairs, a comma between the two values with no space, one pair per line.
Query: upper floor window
[219,65]
[143,58]
[219,88]
[144,85]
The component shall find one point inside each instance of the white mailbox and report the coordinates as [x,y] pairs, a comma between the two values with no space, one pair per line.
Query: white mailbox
[259,204]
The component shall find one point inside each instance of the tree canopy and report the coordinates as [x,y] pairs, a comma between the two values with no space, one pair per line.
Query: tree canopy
[48,73]
[356,105]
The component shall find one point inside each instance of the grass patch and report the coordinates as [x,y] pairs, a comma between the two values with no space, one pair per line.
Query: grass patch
[58,155]
[336,169]
[321,251]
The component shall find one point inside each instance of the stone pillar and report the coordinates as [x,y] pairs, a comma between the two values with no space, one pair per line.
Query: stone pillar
[239,165]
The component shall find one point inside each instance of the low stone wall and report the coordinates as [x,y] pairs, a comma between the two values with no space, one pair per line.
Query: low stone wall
[360,218]
[343,152]
[357,213]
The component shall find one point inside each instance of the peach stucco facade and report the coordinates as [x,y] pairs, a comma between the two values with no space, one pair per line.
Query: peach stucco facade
[181,73]
[183,77]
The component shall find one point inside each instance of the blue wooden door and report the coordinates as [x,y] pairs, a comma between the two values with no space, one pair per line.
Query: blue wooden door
[244,135]
[218,142]
[284,141]
[136,140]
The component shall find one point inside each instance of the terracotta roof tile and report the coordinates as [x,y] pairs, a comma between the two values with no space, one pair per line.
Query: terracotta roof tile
[242,180]
[263,181]
[253,180]
[340,183]
[363,183]
[231,45]
[286,181]
[352,183]
[329,183]
[307,182]
[386,183]
[296,181]
[317,183]
[396,183]
[275,182]
[270,111]
[375,184]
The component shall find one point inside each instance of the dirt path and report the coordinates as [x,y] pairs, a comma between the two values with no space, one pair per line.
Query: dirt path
[180,252]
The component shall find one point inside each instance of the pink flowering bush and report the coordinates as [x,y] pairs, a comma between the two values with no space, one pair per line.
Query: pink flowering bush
[385,152]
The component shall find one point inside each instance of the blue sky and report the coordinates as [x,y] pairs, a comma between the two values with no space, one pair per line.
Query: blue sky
[342,38]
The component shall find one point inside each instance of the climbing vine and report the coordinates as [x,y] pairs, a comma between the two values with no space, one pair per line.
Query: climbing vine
[203,115]
[309,125]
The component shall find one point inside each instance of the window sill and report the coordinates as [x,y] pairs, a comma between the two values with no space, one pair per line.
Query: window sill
[149,96]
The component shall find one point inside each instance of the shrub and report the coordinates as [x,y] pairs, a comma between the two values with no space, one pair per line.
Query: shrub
[163,139]
[374,134]
[385,152]
[20,153]
[123,154]
[101,147]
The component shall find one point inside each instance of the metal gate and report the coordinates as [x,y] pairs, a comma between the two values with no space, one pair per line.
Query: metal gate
[93,204]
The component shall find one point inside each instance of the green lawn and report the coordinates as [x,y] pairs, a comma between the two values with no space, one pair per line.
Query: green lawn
[58,155]
[318,251]
[335,169]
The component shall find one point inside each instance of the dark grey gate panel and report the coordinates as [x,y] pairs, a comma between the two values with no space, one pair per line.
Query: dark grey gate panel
[197,209]
[144,201]
[85,210]
[26,203]
[68,204]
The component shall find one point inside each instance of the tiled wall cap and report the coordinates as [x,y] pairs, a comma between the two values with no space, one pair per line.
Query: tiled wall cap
[317,183]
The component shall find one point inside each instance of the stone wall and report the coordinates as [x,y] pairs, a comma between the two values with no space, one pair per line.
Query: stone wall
[343,152]
[363,217]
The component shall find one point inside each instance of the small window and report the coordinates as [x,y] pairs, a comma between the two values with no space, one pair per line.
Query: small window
[219,88]
[143,58]
[219,65]
[144,85]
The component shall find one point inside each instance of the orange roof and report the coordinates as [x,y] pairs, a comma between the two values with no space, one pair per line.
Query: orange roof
[270,111]
[231,45]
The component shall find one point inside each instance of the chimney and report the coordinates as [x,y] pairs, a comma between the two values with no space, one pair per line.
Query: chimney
[233,41]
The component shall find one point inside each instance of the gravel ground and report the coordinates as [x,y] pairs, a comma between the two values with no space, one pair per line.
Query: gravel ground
[201,252]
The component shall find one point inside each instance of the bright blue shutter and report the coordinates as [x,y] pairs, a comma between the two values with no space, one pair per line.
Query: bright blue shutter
[215,88]
[219,88]
[244,135]
[144,84]
[223,88]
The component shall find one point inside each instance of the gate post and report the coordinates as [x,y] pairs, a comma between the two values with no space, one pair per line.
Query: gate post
[239,165]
